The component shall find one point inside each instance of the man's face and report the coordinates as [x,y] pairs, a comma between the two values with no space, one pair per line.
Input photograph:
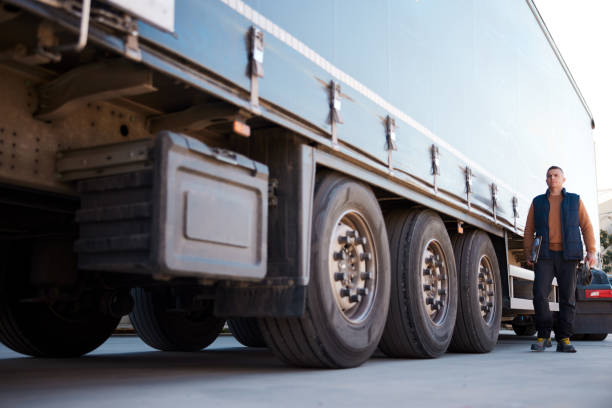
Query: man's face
[555,178]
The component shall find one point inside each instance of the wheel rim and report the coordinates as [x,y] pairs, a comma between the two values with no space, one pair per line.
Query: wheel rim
[352,266]
[486,289]
[434,282]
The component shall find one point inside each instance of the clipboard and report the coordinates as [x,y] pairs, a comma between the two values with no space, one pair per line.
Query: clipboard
[535,249]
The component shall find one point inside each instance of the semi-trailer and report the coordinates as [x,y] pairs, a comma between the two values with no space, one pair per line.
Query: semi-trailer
[329,177]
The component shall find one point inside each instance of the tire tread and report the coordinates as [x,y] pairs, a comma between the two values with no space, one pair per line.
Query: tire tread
[246,330]
[466,336]
[296,341]
[401,337]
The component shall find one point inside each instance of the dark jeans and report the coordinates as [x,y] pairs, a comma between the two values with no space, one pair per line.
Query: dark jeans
[565,272]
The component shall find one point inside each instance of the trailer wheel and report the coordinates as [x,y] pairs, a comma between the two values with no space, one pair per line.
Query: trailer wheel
[246,330]
[165,329]
[524,330]
[595,336]
[423,303]
[348,292]
[480,295]
[32,326]
[524,325]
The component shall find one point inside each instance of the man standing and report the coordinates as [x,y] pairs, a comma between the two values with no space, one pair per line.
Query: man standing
[558,217]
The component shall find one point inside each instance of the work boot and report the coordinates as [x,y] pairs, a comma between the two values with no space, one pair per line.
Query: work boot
[564,346]
[541,344]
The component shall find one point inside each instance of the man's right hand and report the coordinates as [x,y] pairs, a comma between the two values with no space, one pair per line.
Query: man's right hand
[530,264]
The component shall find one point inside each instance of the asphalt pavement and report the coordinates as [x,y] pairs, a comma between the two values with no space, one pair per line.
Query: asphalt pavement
[124,372]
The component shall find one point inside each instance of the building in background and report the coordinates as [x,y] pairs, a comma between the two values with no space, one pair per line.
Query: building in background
[605,216]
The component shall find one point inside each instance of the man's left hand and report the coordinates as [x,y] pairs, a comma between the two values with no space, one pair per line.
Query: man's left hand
[590,259]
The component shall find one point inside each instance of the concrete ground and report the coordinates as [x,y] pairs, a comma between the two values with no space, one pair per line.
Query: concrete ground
[126,373]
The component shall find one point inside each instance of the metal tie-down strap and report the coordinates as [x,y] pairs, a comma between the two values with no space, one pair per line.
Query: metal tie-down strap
[390,127]
[515,212]
[494,200]
[435,164]
[335,104]
[469,175]
[256,57]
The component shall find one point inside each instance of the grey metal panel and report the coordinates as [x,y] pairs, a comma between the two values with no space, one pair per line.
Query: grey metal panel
[364,126]
[209,34]
[304,86]
[413,155]
[404,190]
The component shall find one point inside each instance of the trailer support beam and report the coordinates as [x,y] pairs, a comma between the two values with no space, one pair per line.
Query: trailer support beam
[96,82]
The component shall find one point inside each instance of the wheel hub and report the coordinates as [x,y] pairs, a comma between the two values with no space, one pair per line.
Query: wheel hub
[486,289]
[352,266]
[435,281]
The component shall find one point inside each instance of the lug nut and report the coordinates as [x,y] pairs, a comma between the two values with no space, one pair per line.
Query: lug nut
[480,275]
[365,256]
[346,240]
[340,256]
[429,300]
[427,271]
[481,298]
[442,291]
[440,303]
[365,275]
[484,308]
[344,292]
[489,304]
[480,286]
[339,276]
[434,307]
[354,298]
[363,291]
[352,234]
[489,281]
[361,240]
[426,287]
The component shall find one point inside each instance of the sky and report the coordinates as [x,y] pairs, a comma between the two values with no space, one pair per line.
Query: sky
[582,31]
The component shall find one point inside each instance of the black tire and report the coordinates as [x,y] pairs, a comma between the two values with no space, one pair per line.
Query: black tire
[521,330]
[167,330]
[415,327]
[40,329]
[246,330]
[330,334]
[524,325]
[576,337]
[476,330]
[595,336]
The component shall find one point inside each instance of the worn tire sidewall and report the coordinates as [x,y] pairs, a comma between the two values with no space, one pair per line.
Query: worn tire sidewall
[345,194]
[481,245]
[430,227]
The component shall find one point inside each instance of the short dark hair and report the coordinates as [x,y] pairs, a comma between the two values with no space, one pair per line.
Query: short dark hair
[555,168]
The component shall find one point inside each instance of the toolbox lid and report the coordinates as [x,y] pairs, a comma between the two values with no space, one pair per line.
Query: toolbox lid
[221,155]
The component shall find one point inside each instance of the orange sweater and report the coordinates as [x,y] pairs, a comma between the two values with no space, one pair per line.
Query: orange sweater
[555,235]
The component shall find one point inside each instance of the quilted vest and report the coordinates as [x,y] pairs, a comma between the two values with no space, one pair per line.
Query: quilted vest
[570,225]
